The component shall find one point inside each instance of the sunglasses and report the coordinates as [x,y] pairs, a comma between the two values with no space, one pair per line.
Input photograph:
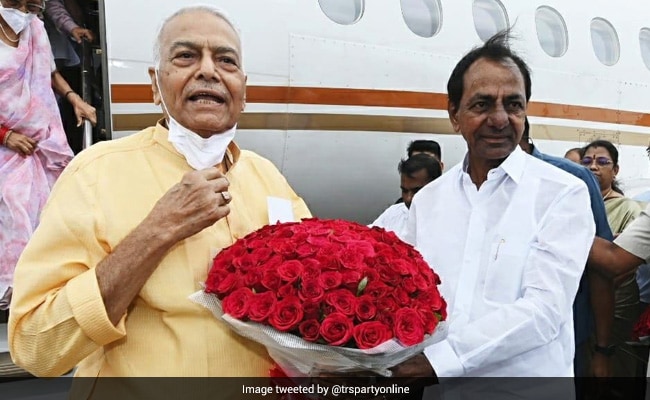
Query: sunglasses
[600,161]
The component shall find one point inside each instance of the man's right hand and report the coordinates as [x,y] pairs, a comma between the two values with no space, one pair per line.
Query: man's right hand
[21,144]
[198,201]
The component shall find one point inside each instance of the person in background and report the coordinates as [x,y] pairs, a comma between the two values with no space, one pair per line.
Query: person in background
[574,154]
[623,257]
[65,36]
[601,157]
[33,146]
[429,147]
[140,219]
[594,301]
[415,173]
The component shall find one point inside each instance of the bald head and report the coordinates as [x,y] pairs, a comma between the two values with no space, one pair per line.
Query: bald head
[216,11]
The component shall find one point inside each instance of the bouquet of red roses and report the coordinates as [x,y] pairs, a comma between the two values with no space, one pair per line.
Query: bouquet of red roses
[327,295]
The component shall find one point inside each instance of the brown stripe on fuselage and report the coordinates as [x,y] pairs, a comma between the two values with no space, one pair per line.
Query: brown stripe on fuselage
[141,93]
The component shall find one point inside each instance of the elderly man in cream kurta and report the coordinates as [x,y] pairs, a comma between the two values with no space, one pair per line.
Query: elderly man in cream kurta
[131,226]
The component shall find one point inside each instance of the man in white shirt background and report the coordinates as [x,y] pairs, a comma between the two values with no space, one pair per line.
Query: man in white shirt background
[415,172]
[508,234]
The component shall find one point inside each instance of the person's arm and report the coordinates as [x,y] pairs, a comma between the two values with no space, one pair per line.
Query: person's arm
[601,289]
[81,108]
[601,292]
[64,308]
[186,209]
[59,15]
[612,260]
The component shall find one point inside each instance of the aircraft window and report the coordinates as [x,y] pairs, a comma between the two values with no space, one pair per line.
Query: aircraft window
[344,12]
[490,17]
[605,41]
[423,17]
[551,31]
[644,41]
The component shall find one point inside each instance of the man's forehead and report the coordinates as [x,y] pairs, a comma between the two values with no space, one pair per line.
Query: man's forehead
[486,71]
[184,28]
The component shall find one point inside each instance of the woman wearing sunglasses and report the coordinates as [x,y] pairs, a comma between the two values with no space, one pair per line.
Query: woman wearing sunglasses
[601,157]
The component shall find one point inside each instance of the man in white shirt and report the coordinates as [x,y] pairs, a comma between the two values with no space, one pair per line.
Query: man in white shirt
[415,172]
[507,233]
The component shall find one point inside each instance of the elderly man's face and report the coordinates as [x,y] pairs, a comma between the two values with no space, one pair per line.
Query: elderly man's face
[492,110]
[201,77]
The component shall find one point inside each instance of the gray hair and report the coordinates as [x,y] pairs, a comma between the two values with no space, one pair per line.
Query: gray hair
[216,11]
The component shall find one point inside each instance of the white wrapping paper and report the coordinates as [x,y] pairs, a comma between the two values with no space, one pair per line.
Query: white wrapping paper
[298,357]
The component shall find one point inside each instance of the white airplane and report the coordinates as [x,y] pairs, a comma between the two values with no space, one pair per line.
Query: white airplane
[338,88]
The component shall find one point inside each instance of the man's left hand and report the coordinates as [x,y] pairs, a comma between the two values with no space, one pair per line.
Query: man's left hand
[415,367]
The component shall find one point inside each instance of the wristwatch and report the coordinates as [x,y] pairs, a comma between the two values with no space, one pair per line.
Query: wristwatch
[605,350]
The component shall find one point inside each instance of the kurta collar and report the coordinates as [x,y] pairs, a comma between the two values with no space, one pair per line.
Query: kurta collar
[513,165]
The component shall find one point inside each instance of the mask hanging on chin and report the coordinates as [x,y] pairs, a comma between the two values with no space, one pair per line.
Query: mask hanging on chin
[199,152]
[16,19]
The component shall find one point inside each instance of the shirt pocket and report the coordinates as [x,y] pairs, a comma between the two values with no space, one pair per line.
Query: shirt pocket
[502,283]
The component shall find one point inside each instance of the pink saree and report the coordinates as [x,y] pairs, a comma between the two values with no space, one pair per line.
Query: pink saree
[28,106]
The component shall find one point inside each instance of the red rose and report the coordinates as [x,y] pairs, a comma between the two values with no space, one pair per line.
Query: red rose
[287,290]
[245,262]
[350,279]
[237,303]
[223,283]
[389,276]
[342,300]
[261,306]
[351,259]
[409,285]
[214,278]
[365,248]
[287,314]
[271,280]
[306,250]
[330,280]
[253,278]
[429,319]
[376,289]
[311,291]
[387,304]
[336,329]
[311,310]
[262,254]
[290,271]
[409,328]
[365,308]
[371,334]
[309,330]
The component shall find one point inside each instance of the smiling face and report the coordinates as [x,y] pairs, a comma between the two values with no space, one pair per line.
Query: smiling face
[201,78]
[492,111]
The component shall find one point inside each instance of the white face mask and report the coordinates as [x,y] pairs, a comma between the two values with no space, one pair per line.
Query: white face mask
[16,19]
[199,152]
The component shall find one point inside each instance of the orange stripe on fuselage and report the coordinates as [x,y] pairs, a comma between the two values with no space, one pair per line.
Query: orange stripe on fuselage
[141,93]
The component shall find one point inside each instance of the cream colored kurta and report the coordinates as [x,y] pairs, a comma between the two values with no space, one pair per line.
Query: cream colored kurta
[58,319]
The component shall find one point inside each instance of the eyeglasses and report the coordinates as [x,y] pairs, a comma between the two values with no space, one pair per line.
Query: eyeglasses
[600,161]
[33,6]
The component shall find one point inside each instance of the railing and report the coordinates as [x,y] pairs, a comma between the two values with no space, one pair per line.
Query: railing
[86,90]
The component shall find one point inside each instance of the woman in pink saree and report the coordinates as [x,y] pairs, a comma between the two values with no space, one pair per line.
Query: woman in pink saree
[34,148]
